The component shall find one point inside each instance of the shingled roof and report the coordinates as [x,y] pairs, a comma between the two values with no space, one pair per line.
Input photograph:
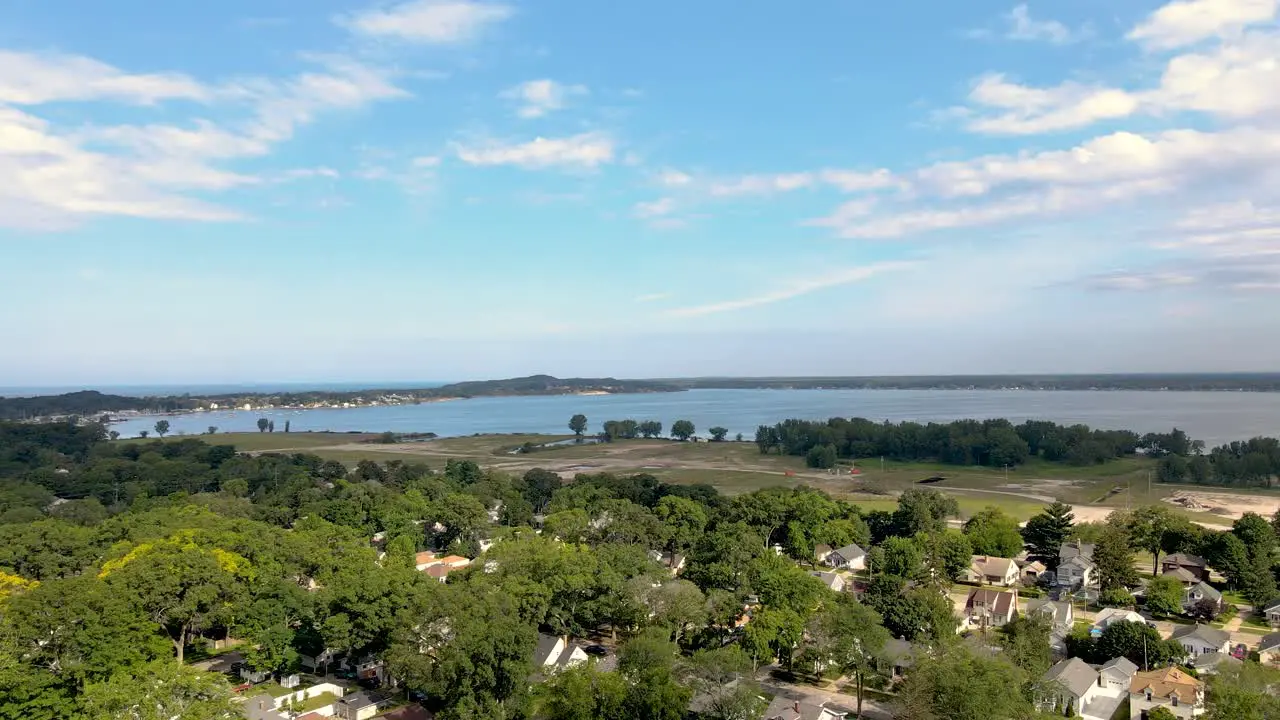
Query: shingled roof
[1166,683]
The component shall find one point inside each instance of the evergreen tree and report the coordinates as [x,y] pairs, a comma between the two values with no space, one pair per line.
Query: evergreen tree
[1045,533]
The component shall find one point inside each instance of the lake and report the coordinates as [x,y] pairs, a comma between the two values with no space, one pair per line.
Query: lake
[1214,417]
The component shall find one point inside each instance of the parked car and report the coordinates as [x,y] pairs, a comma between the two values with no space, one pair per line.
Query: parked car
[597,650]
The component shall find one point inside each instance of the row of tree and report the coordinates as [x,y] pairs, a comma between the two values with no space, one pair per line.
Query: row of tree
[613,430]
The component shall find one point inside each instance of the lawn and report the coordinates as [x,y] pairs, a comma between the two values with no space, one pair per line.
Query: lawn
[274,689]
[259,442]
[315,703]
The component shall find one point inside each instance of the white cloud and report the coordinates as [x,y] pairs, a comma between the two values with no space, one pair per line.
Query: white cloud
[849,181]
[587,150]
[1023,27]
[1036,110]
[761,184]
[540,97]
[655,208]
[674,178]
[796,289]
[39,78]
[652,297]
[428,21]
[426,161]
[1186,22]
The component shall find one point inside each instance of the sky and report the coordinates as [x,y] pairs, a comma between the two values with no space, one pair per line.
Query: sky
[461,189]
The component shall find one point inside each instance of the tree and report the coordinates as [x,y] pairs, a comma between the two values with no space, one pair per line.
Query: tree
[992,532]
[1205,610]
[920,613]
[822,457]
[162,427]
[772,633]
[901,557]
[1139,642]
[1113,557]
[1243,692]
[1164,596]
[286,426]
[212,430]
[114,435]
[718,434]
[948,553]
[262,424]
[271,426]
[270,649]
[1162,712]
[161,691]
[848,635]
[539,486]
[578,424]
[648,662]
[1045,532]
[1025,641]
[584,692]
[1147,527]
[960,684]
[143,434]
[1256,533]
[722,677]
[682,430]
[923,511]
[684,519]
[1259,584]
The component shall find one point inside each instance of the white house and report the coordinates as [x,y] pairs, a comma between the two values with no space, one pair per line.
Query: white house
[988,608]
[1068,687]
[989,570]
[1198,592]
[555,653]
[1170,688]
[1269,649]
[1061,616]
[850,557]
[1077,572]
[1200,640]
[833,581]
[1107,616]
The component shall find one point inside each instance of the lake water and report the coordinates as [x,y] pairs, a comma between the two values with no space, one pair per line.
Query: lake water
[1214,417]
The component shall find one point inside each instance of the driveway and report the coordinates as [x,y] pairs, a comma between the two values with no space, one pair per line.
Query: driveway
[835,700]
[220,664]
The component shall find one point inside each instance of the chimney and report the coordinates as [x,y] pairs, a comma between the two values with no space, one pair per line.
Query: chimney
[796,706]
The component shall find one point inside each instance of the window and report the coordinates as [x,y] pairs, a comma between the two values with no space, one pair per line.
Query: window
[1175,700]
[1148,695]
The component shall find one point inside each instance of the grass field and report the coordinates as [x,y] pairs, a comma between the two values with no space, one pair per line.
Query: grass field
[259,442]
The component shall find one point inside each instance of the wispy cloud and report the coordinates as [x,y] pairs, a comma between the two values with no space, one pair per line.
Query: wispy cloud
[586,150]
[796,289]
[540,97]
[428,21]
[1021,26]
[1186,22]
[652,297]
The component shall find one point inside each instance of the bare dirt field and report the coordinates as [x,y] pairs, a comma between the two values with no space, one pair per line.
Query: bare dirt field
[1228,505]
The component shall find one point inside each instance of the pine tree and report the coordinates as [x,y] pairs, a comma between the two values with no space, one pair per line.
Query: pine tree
[1046,532]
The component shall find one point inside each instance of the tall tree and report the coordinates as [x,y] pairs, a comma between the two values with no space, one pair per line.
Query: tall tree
[1025,641]
[1113,556]
[1164,596]
[578,424]
[584,692]
[722,677]
[162,427]
[682,430]
[848,635]
[992,532]
[923,511]
[262,424]
[961,684]
[1046,531]
[162,691]
[1147,527]
[718,433]
[1243,692]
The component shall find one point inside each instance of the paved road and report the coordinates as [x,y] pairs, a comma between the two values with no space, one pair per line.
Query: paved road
[220,664]
[835,700]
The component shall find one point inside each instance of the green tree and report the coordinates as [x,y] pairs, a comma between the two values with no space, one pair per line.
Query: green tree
[1025,641]
[948,553]
[1046,531]
[960,684]
[161,691]
[848,635]
[1256,533]
[920,613]
[1162,713]
[1259,584]
[684,519]
[162,427]
[822,457]
[648,662]
[722,678]
[1112,555]
[923,511]
[1139,642]
[718,433]
[682,430]
[772,633]
[270,649]
[902,557]
[1243,692]
[1147,528]
[992,532]
[1164,596]
[143,434]
[262,424]
[538,487]
[578,424]
[584,692]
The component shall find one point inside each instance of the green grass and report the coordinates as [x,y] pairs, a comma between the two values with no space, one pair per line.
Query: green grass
[274,689]
[315,703]
[259,442]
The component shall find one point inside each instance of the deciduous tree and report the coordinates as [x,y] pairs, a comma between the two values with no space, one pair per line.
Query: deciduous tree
[992,532]
[578,424]
[1164,596]
[162,427]
[682,430]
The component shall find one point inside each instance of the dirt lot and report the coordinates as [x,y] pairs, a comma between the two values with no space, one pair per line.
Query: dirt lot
[1228,505]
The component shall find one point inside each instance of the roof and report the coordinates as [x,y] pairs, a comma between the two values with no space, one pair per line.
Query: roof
[1206,591]
[1106,616]
[1269,642]
[1074,549]
[1186,559]
[1002,602]
[1181,574]
[785,708]
[992,566]
[262,707]
[1205,661]
[1077,561]
[1273,607]
[1204,633]
[899,652]
[1059,611]
[828,579]
[357,700]
[1073,674]
[1166,683]
[439,570]
[1120,665]
[542,652]
[455,560]
[1034,566]
[850,551]
[566,658]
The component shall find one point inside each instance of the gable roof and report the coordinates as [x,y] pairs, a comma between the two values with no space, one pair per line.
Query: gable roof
[1034,566]
[425,556]
[1206,591]
[1207,661]
[1073,674]
[850,552]
[784,708]
[542,651]
[1060,612]
[1166,683]
[992,566]
[1001,602]
[1075,549]
[1079,561]
[1204,633]
[1269,642]
[828,579]
[1106,616]
[1185,559]
[1182,574]
[1274,606]
[357,700]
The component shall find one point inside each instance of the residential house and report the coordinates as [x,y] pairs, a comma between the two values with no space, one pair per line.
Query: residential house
[669,560]
[1075,549]
[1107,616]
[1269,649]
[850,557]
[1077,572]
[784,708]
[556,653]
[1061,616]
[1068,687]
[1202,639]
[358,706]
[423,560]
[821,551]
[439,568]
[262,707]
[1168,687]
[1031,572]
[1272,612]
[1209,663]
[898,656]
[833,581]
[1116,674]
[1182,575]
[1193,564]
[985,608]
[1199,592]
[988,570]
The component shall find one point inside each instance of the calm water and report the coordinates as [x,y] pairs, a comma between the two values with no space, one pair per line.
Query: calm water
[1212,417]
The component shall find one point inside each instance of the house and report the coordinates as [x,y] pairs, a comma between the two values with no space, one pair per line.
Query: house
[1116,674]
[262,707]
[555,653]
[1031,572]
[1170,688]
[1272,612]
[1075,549]
[1199,592]
[1193,564]
[1061,616]
[821,551]
[898,656]
[357,706]
[850,557]
[669,560]
[833,581]
[1269,649]
[423,560]
[1077,572]
[784,708]
[1202,639]
[1107,616]
[988,570]
[986,608]
[1068,687]
[1182,575]
[1209,663]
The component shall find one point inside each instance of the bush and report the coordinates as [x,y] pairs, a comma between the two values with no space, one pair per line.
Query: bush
[1116,597]
[822,457]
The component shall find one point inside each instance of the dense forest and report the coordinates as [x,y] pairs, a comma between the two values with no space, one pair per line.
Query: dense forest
[119,562]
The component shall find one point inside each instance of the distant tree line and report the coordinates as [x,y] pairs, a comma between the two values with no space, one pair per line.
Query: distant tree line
[993,443]
[1248,463]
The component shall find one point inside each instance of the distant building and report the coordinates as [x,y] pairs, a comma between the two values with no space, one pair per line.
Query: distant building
[850,557]
[987,608]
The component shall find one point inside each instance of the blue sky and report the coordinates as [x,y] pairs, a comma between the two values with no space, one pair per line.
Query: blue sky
[448,189]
